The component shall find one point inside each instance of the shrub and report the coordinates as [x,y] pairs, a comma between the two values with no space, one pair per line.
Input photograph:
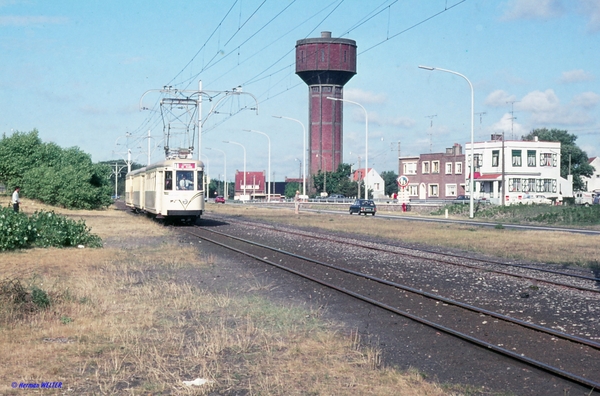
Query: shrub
[43,229]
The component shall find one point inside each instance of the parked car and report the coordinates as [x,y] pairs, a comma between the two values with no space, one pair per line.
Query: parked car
[461,199]
[541,199]
[220,199]
[363,206]
[597,199]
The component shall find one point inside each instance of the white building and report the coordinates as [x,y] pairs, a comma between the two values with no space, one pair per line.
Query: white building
[522,167]
[375,182]
[593,183]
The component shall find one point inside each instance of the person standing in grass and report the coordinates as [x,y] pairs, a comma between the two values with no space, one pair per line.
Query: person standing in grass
[15,199]
[297,202]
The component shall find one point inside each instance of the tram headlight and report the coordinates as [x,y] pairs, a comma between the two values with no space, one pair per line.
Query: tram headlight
[185,201]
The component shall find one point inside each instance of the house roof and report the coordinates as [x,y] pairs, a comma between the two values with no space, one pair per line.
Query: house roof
[359,174]
[590,160]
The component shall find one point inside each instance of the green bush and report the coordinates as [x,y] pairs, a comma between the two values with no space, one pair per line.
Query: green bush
[43,229]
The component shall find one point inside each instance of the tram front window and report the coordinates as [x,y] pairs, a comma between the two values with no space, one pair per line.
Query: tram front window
[185,180]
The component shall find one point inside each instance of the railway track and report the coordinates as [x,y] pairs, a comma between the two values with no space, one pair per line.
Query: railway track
[579,281]
[538,346]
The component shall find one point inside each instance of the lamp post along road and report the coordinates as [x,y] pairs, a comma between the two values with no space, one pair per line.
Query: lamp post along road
[366,142]
[471,181]
[303,151]
[224,171]
[269,163]
[239,144]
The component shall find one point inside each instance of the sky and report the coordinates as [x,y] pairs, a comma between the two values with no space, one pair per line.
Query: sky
[90,74]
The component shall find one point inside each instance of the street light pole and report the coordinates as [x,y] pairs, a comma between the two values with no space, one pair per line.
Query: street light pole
[239,144]
[224,171]
[303,152]
[471,181]
[366,141]
[269,164]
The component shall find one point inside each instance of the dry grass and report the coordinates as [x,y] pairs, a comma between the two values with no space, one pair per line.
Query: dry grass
[128,321]
[550,247]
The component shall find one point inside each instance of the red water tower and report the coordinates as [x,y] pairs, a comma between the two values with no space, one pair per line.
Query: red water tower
[325,64]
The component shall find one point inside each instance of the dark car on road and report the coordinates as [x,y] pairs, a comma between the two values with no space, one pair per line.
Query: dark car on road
[220,199]
[363,206]
[461,199]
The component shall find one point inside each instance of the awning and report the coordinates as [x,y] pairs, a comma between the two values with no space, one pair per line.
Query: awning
[489,176]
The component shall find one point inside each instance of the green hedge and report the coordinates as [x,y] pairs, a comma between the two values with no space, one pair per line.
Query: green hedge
[43,229]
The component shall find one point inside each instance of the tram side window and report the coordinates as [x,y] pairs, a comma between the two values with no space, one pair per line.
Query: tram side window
[168,180]
[185,180]
[200,179]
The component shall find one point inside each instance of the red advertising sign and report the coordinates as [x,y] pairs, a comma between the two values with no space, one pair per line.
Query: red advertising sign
[183,165]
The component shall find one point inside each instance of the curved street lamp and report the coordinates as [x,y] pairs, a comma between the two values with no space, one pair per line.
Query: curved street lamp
[224,171]
[241,145]
[471,181]
[269,164]
[303,151]
[366,141]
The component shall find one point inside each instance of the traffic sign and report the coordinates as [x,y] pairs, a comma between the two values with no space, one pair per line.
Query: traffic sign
[402,181]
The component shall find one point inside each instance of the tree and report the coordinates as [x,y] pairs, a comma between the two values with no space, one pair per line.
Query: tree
[573,159]
[390,180]
[57,176]
[291,188]
[337,182]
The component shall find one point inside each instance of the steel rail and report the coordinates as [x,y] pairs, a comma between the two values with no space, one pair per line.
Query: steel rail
[554,272]
[548,368]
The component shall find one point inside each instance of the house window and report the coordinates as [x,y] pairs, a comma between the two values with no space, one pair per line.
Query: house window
[435,166]
[433,190]
[448,168]
[546,159]
[413,190]
[514,184]
[530,157]
[451,190]
[409,168]
[425,166]
[495,157]
[458,168]
[547,186]
[530,185]
[478,161]
[516,157]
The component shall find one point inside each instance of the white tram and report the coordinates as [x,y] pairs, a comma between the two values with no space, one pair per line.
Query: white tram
[171,189]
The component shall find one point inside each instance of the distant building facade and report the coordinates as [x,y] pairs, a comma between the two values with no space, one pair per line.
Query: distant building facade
[593,183]
[434,175]
[375,182]
[252,186]
[522,167]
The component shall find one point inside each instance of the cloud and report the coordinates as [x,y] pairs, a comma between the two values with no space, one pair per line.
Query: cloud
[363,97]
[575,76]
[11,20]
[586,100]
[591,9]
[499,98]
[532,9]
[546,109]
[509,126]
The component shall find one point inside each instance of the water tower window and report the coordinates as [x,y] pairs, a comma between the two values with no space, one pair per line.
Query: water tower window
[345,56]
[322,55]
[315,89]
[326,89]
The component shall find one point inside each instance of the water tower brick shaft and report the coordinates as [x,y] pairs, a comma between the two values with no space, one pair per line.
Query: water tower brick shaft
[325,64]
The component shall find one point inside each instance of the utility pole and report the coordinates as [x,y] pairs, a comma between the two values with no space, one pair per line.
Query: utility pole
[480,119]
[512,118]
[430,131]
